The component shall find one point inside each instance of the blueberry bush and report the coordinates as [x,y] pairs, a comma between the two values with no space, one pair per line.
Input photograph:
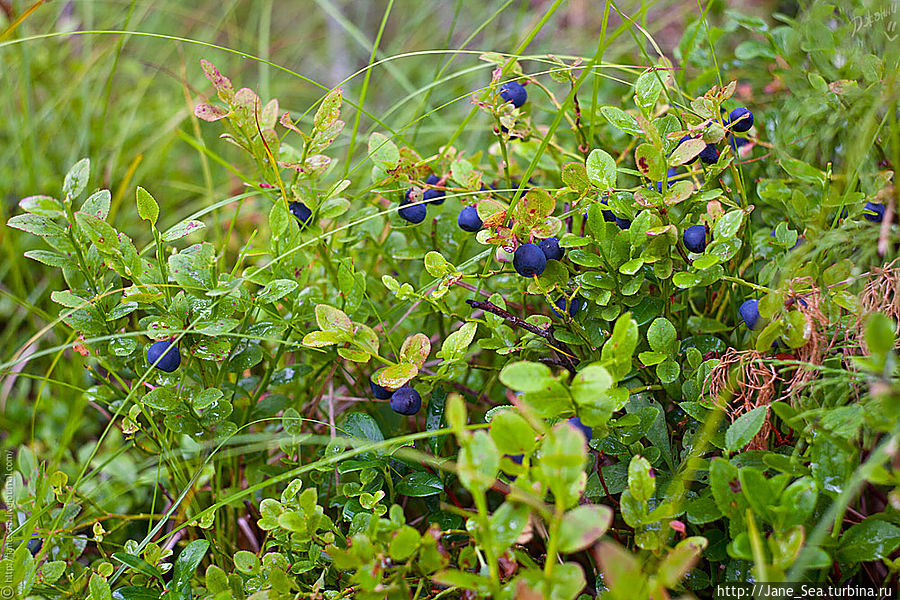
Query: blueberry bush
[617,323]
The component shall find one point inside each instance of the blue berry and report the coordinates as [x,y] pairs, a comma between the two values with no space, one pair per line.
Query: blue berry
[406,401]
[516,458]
[550,248]
[588,432]
[414,213]
[34,544]
[608,215]
[529,260]
[574,306]
[301,212]
[709,155]
[171,357]
[750,313]
[683,140]
[737,142]
[623,223]
[513,91]
[382,393]
[874,212]
[741,119]
[469,220]
[433,196]
[695,238]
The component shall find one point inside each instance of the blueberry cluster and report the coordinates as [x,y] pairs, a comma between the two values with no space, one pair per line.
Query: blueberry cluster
[414,212]
[530,260]
[404,400]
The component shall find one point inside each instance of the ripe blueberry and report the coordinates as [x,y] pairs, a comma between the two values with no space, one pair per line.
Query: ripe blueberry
[171,357]
[588,432]
[623,223]
[695,238]
[34,544]
[550,248]
[750,313]
[414,213]
[406,401]
[608,215]
[874,212]
[709,155]
[433,196]
[513,91]
[382,393]
[301,212]
[740,119]
[529,260]
[683,140]
[737,142]
[574,306]
[469,220]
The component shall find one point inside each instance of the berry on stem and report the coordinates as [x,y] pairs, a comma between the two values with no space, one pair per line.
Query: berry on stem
[874,212]
[574,306]
[695,238]
[166,352]
[709,155]
[382,393]
[550,248]
[406,401]
[513,91]
[740,119]
[750,313]
[414,213]
[433,196]
[529,260]
[301,212]
[469,220]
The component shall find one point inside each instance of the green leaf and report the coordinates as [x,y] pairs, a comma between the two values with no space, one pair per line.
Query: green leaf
[873,539]
[649,161]
[506,526]
[686,151]
[457,343]
[601,170]
[147,207]
[246,562]
[383,151]
[582,526]
[329,111]
[524,376]
[728,224]
[880,334]
[619,348]
[647,89]
[478,463]
[276,290]
[403,543]
[45,206]
[415,349]
[77,178]
[511,433]
[36,225]
[680,560]
[330,318]
[641,479]
[662,337]
[138,564]
[420,484]
[98,586]
[621,119]
[574,175]
[395,376]
[182,229]
[97,204]
[744,428]
[590,383]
